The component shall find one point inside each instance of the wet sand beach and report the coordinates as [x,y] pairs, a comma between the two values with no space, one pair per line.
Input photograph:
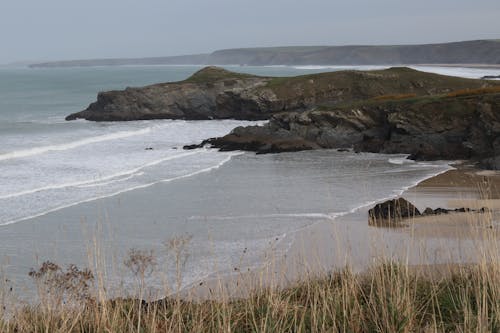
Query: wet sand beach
[434,245]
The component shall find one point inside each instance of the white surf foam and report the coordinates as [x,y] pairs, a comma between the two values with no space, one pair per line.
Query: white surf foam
[400,161]
[100,179]
[72,145]
[253,216]
[204,170]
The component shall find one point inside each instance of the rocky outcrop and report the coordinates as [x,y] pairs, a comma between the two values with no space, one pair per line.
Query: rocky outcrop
[214,93]
[396,211]
[195,98]
[439,127]
[392,212]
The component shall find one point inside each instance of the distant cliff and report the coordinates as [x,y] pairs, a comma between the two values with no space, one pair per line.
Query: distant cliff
[194,59]
[468,52]
[214,93]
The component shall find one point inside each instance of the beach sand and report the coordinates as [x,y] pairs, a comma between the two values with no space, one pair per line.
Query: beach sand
[431,244]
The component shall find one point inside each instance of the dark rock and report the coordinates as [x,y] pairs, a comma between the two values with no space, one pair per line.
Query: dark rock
[392,212]
[444,128]
[489,77]
[193,146]
[439,211]
[428,211]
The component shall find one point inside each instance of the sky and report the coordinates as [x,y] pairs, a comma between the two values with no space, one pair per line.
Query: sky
[44,30]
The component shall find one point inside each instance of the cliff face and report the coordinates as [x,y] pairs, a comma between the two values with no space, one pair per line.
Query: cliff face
[467,52]
[214,93]
[437,127]
[194,98]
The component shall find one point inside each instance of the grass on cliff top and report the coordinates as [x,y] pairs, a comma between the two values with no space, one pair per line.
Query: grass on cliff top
[411,101]
[213,73]
[360,85]
[389,73]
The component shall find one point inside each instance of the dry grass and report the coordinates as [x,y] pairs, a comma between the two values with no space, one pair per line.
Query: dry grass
[388,298]
[472,92]
[393,97]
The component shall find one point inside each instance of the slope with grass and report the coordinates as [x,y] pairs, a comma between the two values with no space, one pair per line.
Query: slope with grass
[214,93]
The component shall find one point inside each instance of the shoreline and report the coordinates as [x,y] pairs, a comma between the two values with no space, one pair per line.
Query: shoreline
[316,248]
[439,189]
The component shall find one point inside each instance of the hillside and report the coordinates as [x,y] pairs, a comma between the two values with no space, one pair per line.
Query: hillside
[214,93]
[467,52]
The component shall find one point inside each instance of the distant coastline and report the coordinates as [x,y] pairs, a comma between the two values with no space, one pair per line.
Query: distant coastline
[467,53]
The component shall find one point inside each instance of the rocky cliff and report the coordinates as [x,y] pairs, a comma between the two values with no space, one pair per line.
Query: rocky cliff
[214,93]
[457,125]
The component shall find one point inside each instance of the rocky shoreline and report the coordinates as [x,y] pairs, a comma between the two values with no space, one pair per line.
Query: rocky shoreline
[397,110]
[448,128]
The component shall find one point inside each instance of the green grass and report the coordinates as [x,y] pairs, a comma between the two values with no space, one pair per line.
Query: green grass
[463,103]
[212,74]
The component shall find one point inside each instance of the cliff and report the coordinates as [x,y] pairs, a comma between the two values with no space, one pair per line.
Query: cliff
[456,125]
[214,93]
[466,52]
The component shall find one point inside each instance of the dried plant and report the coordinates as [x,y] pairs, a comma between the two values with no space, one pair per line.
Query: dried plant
[63,285]
[141,263]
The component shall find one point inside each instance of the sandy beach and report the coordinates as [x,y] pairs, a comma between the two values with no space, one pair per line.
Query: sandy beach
[432,244]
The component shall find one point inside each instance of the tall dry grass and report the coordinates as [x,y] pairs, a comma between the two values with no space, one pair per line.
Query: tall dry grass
[390,297]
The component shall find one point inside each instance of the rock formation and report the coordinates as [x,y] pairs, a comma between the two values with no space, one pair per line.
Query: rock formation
[463,126]
[396,211]
[214,93]
[392,212]
[397,110]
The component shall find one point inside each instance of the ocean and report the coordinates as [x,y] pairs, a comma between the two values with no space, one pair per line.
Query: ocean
[61,182]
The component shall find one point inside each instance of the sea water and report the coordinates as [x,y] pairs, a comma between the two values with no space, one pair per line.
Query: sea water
[136,178]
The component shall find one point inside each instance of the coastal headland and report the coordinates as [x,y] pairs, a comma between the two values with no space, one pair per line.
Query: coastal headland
[397,110]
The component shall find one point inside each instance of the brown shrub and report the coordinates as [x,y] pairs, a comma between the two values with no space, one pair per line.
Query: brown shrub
[393,97]
[471,92]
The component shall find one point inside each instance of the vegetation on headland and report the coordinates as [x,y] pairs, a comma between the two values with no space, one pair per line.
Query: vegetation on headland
[211,74]
[472,92]
[215,93]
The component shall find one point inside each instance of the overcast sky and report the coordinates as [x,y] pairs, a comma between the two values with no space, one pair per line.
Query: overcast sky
[80,29]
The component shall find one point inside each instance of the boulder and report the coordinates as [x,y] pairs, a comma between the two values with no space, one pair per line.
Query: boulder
[392,212]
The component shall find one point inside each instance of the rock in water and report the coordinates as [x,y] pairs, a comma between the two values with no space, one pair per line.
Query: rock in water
[392,212]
